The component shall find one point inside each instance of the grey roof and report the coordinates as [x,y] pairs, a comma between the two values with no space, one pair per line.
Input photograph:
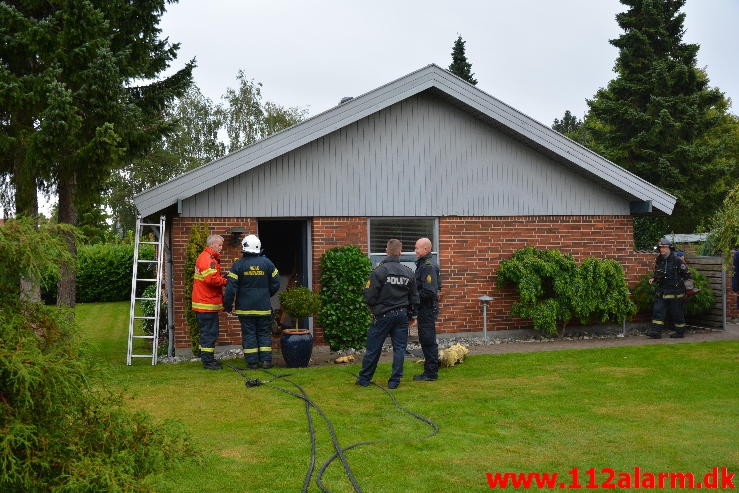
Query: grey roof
[429,78]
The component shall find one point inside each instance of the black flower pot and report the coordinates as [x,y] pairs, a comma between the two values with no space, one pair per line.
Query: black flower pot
[297,347]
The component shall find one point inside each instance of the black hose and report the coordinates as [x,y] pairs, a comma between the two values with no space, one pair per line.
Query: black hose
[339,450]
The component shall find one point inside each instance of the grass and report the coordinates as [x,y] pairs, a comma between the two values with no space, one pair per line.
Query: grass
[662,408]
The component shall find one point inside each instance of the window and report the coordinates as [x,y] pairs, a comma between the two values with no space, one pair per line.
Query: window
[407,230]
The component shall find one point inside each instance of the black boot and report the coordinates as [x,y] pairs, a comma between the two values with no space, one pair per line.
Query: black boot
[212,365]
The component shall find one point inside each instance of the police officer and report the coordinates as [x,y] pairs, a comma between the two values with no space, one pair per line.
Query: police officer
[252,281]
[207,298]
[670,273]
[392,297]
[429,284]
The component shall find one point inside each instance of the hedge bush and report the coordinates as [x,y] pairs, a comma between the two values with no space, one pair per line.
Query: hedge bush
[343,315]
[553,289]
[104,273]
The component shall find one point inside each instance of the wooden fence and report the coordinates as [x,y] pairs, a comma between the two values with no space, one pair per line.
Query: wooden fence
[712,268]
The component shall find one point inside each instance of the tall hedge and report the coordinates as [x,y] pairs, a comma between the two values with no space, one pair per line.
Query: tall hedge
[344,316]
[696,305]
[553,289]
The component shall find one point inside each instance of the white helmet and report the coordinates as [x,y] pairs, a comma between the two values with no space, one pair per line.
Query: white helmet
[251,244]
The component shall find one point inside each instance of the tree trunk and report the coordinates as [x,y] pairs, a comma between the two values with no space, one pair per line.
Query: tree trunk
[26,204]
[67,285]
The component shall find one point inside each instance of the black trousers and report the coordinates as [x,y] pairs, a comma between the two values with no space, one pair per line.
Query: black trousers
[427,337]
[668,309]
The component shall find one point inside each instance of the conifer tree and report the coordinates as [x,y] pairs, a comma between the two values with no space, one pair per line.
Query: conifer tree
[460,66]
[655,116]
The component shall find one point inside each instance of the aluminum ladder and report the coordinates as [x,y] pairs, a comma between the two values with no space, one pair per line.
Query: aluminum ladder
[135,319]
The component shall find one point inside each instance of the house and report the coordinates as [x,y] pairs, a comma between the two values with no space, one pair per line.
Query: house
[425,155]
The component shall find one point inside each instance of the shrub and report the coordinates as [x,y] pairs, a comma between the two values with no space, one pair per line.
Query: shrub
[300,302]
[553,289]
[344,316]
[698,304]
[104,271]
[60,430]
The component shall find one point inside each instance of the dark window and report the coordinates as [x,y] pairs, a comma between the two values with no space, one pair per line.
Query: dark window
[407,230]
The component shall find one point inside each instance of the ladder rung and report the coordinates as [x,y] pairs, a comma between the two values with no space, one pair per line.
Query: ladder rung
[148,242]
[147,299]
[145,279]
[143,337]
[144,318]
[150,224]
[143,261]
[141,356]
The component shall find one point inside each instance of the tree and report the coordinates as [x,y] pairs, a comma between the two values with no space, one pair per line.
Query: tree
[655,116]
[460,66]
[198,127]
[569,124]
[73,113]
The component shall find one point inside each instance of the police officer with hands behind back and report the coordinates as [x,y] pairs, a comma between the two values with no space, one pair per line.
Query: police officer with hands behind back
[253,280]
[429,284]
[392,297]
[670,273]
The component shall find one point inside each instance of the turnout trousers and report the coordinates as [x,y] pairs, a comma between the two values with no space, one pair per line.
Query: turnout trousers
[668,308]
[208,323]
[256,338]
[427,337]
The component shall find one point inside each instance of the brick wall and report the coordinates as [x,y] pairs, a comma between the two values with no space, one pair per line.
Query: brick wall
[470,249]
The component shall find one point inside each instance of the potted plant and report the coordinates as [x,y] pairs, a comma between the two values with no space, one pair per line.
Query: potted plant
[298,302]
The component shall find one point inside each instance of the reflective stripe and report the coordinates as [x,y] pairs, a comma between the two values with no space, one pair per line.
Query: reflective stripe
[207,349]
[658,322]
[253,312]
[679,325]
[205,306]
[275,273]
[198,277]
[207,272]
[232,275]
[265,349]
[672,296]
[250,350]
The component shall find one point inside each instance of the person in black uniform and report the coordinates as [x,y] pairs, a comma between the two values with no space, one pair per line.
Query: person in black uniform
[392,297]
[252,281]
[429,284]
[670,273]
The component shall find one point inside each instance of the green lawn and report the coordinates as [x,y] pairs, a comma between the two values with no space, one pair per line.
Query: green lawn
[662,408]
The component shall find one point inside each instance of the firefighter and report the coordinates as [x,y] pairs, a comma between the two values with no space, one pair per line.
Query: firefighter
[252,281]
[429,284]
[207,298]
[670,273]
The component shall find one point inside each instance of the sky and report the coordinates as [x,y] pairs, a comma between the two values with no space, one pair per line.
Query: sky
[541,57]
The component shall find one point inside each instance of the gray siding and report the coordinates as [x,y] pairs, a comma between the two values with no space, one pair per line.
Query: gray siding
[420,157]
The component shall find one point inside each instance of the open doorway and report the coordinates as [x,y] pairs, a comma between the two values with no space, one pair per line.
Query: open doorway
[286,242]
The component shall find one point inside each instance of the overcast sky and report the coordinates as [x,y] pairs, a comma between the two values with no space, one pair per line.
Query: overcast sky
[540,56]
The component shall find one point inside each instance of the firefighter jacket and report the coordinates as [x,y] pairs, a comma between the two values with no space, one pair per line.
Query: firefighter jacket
[670,273]
[391,286]
[253,280]
[207,286]
[428,280]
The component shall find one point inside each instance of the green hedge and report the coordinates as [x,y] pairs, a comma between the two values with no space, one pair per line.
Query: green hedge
[696,305]
[104,273]
[344,316]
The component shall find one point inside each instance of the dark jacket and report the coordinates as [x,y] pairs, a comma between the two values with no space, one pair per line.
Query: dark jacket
[669,274]
[253,280]
[391,286]
[427,280]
